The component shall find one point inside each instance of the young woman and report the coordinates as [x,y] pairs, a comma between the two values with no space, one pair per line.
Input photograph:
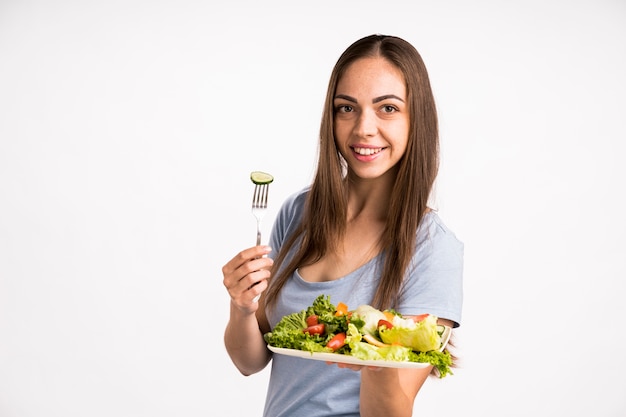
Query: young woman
[361,233]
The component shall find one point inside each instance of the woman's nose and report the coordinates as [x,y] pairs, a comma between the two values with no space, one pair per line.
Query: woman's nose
[366,124]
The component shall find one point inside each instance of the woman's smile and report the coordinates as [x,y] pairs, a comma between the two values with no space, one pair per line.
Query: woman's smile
[366,154]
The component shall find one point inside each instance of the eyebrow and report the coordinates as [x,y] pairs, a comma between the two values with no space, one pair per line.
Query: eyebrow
[375,100]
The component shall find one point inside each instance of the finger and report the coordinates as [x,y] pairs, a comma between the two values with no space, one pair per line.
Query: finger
[257,289]
[239,288]
[255,252]
[247,299]
[249,273]
[254,278]
[244,256]
[255,265]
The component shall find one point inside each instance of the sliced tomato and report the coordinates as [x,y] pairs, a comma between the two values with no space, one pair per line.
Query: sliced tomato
[315,329]
[312,320]
[419,317]
[341,309]
[385,323]
[337,341]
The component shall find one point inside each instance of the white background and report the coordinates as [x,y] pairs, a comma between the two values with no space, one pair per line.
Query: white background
[128,130]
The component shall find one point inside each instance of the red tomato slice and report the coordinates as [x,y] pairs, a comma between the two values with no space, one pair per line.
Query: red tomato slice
[315,329]
[337,341]
[385,323]
[419,317]
[312,320]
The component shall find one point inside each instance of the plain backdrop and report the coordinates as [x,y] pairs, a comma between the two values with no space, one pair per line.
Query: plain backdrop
[129,128]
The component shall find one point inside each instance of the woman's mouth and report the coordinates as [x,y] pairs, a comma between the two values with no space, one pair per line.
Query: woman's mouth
[367,151]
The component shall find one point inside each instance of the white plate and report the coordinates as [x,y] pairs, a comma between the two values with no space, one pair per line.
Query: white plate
[340,358]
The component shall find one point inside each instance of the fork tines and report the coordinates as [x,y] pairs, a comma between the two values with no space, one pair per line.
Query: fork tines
[259,198]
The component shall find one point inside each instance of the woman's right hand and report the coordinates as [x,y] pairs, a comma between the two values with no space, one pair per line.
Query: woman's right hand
[245,277]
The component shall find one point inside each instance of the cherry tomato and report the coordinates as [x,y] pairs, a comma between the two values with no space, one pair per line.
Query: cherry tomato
[315,329]
[337,341]
[385,323]
[312,320]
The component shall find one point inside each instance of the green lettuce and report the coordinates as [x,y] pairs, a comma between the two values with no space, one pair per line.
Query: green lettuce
[289,333]
[406,341]
[422,336]
[365,351]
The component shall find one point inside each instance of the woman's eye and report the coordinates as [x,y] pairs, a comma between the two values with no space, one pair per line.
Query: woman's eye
[389,109]
[344,109]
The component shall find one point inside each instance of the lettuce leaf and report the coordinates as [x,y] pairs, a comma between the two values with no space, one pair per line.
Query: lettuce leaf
[289,333]
[365,351]
[422,336]
[440,360]
[369,317]
[406,341]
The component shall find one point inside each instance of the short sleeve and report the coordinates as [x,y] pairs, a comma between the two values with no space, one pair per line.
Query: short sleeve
[287,220]
[434,283]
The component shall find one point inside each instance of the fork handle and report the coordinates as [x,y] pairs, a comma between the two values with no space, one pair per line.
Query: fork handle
[258,237]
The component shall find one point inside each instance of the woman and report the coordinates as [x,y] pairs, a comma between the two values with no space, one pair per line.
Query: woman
[362,233]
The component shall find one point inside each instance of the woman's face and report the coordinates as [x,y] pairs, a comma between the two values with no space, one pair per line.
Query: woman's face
[371,117]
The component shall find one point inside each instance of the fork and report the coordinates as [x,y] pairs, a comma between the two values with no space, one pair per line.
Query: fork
[259,207]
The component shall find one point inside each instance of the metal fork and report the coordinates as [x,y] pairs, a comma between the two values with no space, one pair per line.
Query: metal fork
[259,207]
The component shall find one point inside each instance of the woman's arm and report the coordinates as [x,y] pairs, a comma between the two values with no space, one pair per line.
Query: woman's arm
[392,391]
[245,278]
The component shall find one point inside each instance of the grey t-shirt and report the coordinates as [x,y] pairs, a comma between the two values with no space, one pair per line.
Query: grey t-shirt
[300,387]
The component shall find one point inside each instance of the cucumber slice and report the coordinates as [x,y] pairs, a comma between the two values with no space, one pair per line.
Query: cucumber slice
[259,177]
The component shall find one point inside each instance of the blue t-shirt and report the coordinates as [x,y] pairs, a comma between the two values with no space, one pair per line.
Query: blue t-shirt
[300,387]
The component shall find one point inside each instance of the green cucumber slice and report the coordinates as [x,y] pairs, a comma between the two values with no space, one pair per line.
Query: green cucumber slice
[259,177]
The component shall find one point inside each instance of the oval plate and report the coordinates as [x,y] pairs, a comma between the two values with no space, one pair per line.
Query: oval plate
[341,358]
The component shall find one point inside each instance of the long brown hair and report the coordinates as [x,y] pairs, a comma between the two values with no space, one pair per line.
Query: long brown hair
[325,214]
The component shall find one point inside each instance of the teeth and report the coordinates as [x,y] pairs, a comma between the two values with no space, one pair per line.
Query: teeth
[367,151]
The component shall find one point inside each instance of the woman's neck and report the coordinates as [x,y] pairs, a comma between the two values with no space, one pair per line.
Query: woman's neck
[369,199]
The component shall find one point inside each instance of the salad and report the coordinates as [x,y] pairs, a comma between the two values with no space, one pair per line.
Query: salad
[365,333]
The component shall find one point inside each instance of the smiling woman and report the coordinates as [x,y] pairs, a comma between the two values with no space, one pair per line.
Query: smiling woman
[128,131]
[371,117]
[361,232]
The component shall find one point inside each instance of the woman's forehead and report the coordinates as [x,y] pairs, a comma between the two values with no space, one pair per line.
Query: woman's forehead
[372,76]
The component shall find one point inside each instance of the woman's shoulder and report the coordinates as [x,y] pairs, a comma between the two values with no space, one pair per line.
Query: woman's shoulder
[294,203]
[433,229]
[290,213]
[297,197]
